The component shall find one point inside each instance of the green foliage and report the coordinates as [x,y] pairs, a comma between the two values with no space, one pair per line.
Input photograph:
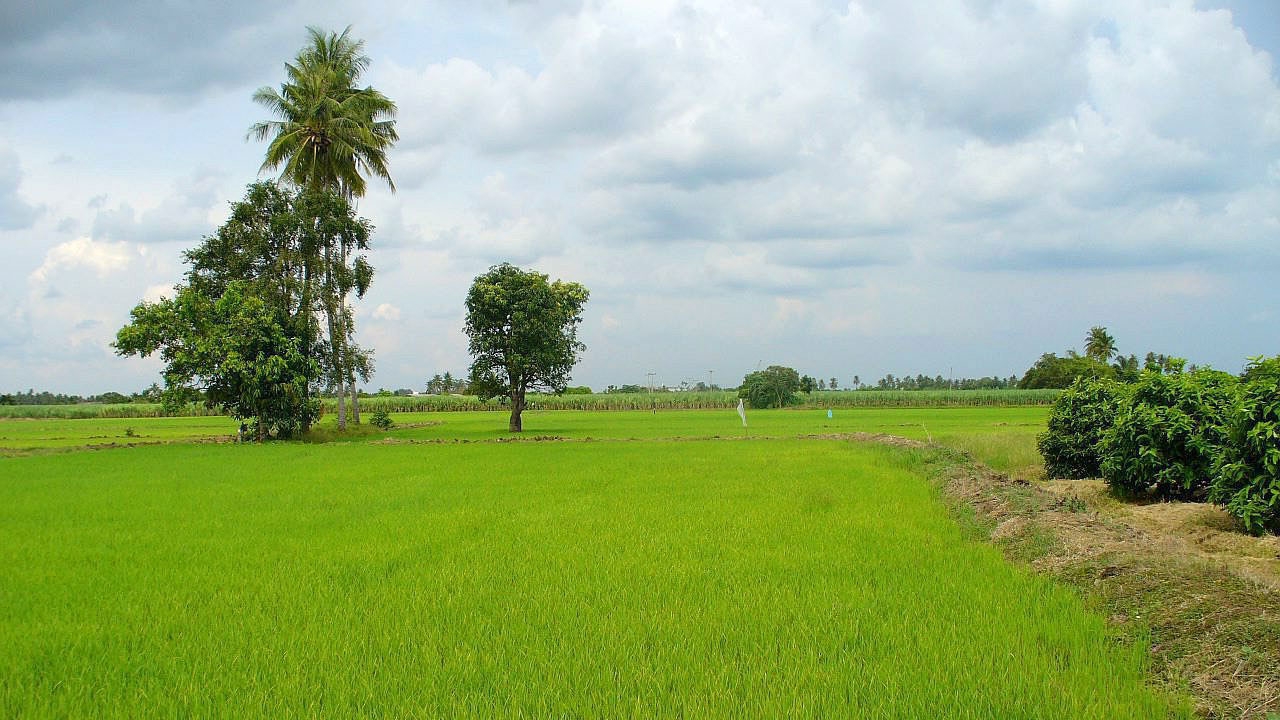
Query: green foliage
[1127,368]
[328,129]
[1099,345]
[280,261]
[328,132]
[522,334]
[382,419]
[1247,478]
[1080,416]
[1051,371]
[921,381]
[808,384]
[113,398]
[1260,368]
[1167,437]
[578,390]
[234,347]
[775,386]
[446,384]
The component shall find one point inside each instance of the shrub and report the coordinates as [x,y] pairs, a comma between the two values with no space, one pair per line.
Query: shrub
[1168,435]
[1247,478]
[1080,416]
[382,420]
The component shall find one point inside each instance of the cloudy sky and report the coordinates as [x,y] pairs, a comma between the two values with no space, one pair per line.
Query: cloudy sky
[847,188]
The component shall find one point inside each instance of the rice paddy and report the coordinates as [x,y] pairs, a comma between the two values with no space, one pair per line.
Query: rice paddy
[660,570]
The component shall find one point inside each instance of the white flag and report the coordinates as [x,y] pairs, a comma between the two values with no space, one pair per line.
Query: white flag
[742,412]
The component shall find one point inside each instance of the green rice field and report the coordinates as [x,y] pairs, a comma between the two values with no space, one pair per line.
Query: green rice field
[1003,437]
[719,399]
[675,565]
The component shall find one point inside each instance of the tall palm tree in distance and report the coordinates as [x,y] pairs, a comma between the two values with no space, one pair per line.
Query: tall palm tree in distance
[1099,345]
[327,135]
[329,131]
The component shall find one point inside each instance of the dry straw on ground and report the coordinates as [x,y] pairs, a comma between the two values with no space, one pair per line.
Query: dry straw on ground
[1207,594]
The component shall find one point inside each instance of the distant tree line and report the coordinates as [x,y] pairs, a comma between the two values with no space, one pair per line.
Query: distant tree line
[44,397]
[447,384]
[1100,361]
[924,382]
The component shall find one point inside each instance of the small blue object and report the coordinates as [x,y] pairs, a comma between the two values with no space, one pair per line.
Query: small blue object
[828,413]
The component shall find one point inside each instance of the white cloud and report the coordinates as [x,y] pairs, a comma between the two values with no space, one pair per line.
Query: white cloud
[909,180]
[183,215]
[156,293]
[387,311]
[104,258]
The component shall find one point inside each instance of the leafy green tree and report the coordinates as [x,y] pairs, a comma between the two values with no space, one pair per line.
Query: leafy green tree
[775,386]
[1161,363]
[113,398]
[807,385]
[522,334]
[282,243]
[342,239]
[1127,368]
[266,254]
[1051,371]
[7,399]
[233,347]
[833,384]
[1077,422]
[330,133]
[1169,434]
[1099,345]
[1246,479]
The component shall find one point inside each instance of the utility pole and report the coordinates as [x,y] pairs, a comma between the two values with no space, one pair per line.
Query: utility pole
[650,375]
[711,379]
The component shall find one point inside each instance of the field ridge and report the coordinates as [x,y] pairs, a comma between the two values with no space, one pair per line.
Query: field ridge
[1213,626]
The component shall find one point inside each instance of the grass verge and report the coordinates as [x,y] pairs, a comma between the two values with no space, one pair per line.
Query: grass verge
[1213,625]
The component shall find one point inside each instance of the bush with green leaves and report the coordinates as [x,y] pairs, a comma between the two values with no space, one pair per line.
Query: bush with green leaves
[1168,435]
[1080,416]
[382,420]
[1247,477]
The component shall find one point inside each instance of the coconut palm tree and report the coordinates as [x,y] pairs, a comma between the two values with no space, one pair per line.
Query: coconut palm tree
[327,136]
[1099,345]
[329,132]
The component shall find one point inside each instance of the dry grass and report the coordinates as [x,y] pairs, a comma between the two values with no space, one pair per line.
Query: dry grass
[1207,595]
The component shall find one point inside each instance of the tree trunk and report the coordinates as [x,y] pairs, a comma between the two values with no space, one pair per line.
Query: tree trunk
[337,337]
[306,318]
[517,407]
[262,428]
[348,362]
[335,347]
